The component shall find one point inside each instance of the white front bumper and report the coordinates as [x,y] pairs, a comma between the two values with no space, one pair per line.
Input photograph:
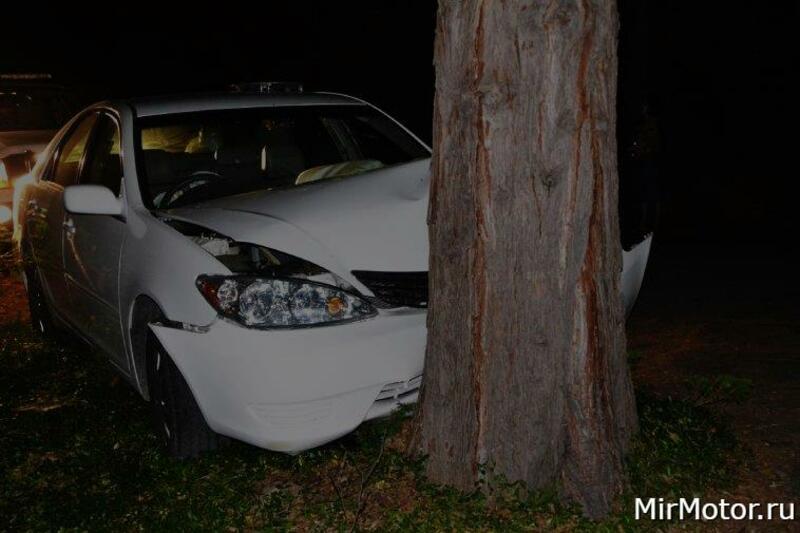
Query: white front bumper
[291,390]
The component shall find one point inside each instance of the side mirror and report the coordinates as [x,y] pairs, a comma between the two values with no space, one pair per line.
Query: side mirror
[91,200]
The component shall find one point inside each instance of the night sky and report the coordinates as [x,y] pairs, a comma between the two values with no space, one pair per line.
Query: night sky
[718,75]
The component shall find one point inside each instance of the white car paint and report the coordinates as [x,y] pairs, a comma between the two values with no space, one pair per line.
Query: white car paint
[385,208]
[286,390]
[634,263]
[292,390]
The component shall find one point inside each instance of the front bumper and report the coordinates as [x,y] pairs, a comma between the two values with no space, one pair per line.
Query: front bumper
[291,390]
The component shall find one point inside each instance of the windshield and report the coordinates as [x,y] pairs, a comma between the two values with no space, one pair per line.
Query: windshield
[194,157]
[30,109]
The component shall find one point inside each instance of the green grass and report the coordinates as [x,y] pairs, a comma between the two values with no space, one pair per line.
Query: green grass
[78,454]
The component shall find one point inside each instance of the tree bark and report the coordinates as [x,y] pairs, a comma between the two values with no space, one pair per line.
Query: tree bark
[526,375]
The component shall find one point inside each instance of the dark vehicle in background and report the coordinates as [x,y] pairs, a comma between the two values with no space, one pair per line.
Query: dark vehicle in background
[32,109]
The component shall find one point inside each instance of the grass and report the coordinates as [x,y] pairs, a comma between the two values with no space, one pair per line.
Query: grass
[78,454]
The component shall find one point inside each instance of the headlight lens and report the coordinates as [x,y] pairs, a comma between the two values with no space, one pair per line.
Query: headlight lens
[281,302]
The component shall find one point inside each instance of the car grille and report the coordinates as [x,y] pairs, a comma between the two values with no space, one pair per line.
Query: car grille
[396,289]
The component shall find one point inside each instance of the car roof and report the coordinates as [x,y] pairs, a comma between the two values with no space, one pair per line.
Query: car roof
[165,105]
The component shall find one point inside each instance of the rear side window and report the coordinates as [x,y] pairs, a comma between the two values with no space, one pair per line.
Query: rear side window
[103,164]
[69,158]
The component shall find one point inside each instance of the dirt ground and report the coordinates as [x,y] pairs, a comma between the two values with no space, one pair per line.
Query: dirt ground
[703,311]
[13,303]
[712,310]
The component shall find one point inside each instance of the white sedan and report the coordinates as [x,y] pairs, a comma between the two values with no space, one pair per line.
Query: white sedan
[254,264]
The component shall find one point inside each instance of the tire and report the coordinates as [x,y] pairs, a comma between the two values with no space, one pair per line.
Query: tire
[176,416]
[41,319]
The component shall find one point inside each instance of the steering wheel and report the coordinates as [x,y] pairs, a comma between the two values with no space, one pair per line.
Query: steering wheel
[199,179]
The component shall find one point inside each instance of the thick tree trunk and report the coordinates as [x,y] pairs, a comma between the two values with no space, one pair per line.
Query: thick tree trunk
[526,375]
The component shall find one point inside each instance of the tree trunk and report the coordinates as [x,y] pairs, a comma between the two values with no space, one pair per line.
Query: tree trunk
[526,375]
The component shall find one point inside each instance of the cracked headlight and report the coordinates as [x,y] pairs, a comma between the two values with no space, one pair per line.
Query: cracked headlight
[267,303]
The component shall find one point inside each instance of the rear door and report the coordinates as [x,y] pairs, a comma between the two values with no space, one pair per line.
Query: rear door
[46,212]
[92,246]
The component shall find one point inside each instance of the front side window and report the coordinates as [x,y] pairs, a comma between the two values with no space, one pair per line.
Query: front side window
[193,157]
[71,153]
[103,164]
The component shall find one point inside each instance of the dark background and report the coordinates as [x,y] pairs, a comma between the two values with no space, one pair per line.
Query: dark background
[719,77]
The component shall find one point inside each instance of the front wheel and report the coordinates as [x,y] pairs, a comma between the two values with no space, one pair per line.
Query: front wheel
[176,415]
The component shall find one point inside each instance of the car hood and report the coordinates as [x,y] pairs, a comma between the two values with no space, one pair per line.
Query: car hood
[12,142]
[373,221]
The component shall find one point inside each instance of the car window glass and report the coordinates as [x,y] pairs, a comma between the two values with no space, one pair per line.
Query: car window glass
[46,172]
[103,165]
[192,157]
[69,158]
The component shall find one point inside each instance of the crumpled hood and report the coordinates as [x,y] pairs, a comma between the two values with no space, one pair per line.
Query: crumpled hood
[12,142]
[373,221]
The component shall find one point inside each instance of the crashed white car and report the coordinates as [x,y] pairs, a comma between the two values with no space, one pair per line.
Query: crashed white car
[254,264]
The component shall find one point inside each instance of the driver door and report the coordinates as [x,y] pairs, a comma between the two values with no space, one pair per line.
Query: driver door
[92,247]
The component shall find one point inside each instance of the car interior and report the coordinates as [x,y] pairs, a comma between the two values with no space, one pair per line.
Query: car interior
[214,155]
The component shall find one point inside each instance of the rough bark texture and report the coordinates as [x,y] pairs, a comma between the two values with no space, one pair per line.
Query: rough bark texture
[526,371]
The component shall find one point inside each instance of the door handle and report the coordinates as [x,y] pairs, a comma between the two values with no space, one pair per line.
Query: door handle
[69,227]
